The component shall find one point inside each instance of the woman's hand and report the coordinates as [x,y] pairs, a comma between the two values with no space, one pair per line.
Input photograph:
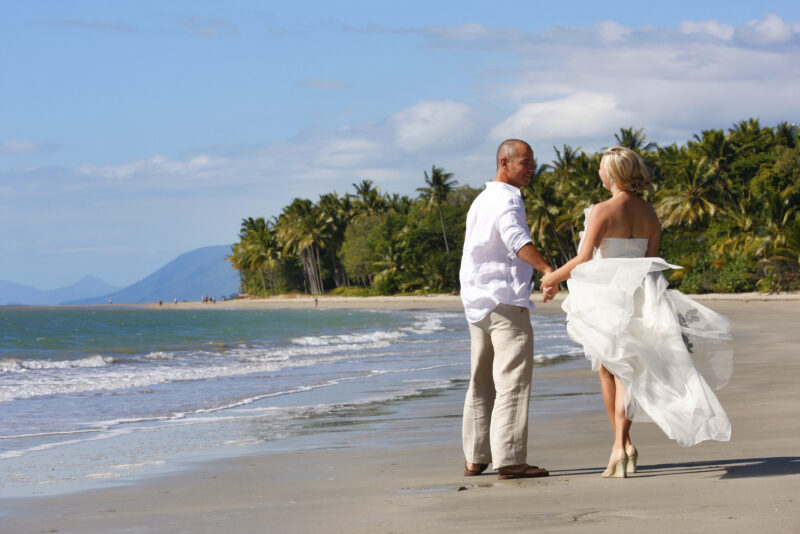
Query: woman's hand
[548,279]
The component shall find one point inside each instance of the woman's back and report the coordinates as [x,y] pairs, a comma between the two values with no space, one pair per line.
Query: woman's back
[628,216]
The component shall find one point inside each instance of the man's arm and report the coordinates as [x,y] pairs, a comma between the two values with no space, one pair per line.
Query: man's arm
[514,233]
[529,254]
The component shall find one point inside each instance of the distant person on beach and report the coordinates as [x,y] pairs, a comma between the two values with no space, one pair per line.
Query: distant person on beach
[658,353]
[496,270]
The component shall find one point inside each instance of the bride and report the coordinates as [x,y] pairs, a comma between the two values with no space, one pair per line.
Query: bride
[658,353]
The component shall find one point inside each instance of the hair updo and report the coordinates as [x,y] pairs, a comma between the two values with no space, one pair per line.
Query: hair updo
[626,169]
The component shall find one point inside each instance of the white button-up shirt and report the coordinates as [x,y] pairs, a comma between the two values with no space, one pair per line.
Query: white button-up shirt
[491,272]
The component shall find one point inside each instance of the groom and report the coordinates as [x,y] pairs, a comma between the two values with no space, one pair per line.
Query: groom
[496,270]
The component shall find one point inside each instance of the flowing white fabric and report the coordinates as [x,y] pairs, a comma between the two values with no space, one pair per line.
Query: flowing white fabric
[668,351]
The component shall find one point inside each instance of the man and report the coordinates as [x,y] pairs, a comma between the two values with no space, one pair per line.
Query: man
[496,270]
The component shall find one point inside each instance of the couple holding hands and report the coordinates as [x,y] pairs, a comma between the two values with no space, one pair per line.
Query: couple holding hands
[658,353]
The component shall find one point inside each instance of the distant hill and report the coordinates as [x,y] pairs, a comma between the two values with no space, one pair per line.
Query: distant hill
[87,287]
[203,271]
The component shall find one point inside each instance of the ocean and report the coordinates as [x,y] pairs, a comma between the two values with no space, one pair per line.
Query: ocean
[93,394]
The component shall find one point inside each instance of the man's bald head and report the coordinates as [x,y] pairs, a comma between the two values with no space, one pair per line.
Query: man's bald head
[511,148]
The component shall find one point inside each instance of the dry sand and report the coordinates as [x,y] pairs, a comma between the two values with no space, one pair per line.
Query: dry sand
[442,302]
[414,483]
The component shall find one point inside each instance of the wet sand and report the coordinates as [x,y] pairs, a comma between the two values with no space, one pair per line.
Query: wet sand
[408,476]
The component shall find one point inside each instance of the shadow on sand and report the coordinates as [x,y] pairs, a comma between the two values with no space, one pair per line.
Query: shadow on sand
[734,468]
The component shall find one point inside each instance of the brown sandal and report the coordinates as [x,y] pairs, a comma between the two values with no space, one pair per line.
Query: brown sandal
[529,471]
[470,473]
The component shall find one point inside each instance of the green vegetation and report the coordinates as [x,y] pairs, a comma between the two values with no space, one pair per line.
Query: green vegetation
[729,203]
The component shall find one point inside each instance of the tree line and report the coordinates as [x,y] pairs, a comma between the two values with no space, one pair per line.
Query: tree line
[729,203]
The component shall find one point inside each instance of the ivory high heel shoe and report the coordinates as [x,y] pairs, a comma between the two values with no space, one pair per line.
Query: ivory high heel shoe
[633,457]
[616,465]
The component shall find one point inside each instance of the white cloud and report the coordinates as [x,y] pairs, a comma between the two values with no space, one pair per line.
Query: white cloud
[155,167]
[16,146]
[708,27]
[770,29]
[434,125]
[576,116]
[579,86]
[611,32]
[349,153]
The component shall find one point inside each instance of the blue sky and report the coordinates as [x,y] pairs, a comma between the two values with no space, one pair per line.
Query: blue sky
[131,132]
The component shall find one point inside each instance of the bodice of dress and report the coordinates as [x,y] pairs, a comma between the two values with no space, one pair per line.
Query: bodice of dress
[620,247]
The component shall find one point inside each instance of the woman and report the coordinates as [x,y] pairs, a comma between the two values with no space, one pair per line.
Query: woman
[658,353]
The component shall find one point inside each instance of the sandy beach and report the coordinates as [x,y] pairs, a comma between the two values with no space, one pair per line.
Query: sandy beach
[407,477]
[421,302]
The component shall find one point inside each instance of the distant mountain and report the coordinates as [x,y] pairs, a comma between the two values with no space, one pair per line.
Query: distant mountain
[87,287]
[203,271]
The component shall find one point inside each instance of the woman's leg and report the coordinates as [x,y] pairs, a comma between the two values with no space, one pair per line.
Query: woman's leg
[614,399]
[622,425]
[609,388]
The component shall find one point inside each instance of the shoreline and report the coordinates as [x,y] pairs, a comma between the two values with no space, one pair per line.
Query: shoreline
[414,484]
[439,302]
[436,302]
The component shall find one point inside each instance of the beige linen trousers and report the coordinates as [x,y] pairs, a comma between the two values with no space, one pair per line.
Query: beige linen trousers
[495,426]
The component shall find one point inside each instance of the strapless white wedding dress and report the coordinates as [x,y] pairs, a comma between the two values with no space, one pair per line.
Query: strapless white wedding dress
[668,351]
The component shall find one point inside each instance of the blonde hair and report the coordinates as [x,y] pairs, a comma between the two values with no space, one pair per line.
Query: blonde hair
[626,169]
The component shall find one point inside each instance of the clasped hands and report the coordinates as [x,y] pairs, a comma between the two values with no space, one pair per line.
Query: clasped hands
[549,288]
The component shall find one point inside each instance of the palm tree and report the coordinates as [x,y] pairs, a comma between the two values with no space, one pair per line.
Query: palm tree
[256,250]
[782,268]
[692,196]
[542,212]
[715,146]
[336,213]
[635,140]
[299,230]
[776,222]
[439,186]
[400,204]
[564,164]
[388,264]
[787,134]
[577,186]
[369,201]
[748,131]
[740,226]
[538,170]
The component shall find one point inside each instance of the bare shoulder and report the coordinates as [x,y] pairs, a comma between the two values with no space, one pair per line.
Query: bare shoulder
[648,206]
[651,217]
[639,205]
[650,210]
[601,209]
[599,217]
